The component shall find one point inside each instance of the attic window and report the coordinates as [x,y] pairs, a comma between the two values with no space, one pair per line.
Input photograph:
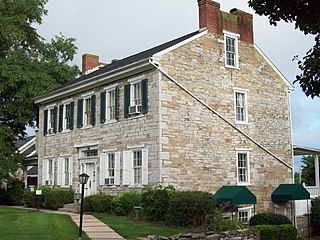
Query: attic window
[231,49]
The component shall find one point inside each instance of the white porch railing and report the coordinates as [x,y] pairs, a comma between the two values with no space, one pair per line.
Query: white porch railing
[313,190]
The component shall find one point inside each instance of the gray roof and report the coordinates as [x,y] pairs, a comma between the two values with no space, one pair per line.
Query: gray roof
[130,60]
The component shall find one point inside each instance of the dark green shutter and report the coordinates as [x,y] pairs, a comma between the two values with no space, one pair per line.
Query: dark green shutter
[116,102]
[71,115]
[60,118]
[103,107]
[93,110]
[126,100]
[45,122]
[55,117]
[80,113]
[144,93]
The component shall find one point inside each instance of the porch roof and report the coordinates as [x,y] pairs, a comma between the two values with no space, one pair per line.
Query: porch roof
[299,151]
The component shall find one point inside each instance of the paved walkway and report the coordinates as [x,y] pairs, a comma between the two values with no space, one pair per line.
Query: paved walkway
[93,227]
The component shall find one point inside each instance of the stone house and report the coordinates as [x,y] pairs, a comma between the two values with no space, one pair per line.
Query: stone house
[204,110]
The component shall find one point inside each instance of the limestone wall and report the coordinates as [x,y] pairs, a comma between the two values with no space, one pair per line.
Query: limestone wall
[199,147]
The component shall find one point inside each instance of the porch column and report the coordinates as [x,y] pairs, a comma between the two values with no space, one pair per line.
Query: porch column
[25,177]
[317,177]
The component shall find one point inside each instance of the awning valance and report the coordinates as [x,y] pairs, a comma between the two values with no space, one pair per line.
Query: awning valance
[235,195]
[286,192]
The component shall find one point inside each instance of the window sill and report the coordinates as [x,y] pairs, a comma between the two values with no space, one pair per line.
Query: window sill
[107,122]
[87,127]
[232,67]
[242,123]
[66,131]
[137,116]
[244,184]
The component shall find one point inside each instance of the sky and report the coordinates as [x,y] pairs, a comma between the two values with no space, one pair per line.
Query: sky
[116,29]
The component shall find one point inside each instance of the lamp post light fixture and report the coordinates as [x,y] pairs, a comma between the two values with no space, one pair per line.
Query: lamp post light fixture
[83,178]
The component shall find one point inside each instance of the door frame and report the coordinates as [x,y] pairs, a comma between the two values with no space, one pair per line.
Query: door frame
[83,163]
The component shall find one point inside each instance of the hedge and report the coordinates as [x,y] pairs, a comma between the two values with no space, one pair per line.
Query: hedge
[190,209]
[269,219]
[124,204]
[54,198]
[276,232]
[315,215]
[98,203]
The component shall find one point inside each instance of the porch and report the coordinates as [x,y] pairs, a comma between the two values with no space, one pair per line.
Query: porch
[303,151]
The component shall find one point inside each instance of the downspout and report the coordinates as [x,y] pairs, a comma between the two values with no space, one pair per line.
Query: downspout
[291,135]
[218,114]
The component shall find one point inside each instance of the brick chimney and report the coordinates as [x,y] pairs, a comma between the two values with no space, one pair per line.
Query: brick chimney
[216,21]
[89,61]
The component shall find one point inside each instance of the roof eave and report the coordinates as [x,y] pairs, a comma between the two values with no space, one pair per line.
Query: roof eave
[95,81]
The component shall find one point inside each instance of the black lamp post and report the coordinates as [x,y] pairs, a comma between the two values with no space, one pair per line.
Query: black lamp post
[83,178]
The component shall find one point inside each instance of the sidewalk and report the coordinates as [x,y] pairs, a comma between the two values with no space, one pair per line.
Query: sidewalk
[93,227]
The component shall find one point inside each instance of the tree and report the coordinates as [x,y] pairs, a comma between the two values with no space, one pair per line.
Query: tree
[305,15]
[308,171]
[29,66]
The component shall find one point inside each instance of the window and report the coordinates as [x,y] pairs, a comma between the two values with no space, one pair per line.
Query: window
[86,111]
[66,116]
[244,214]
[135,167]
[243,167]
[50,121]
[240,102]
[231,49]
[65,171]
[48,172]
[109,104]
[110,168]
[136,98]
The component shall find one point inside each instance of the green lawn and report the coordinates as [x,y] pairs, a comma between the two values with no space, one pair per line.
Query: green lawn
[28,224]
[131,229]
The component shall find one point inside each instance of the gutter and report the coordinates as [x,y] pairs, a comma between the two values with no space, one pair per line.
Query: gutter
[218,114]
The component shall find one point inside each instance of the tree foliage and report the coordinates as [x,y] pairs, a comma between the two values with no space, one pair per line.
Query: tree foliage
[29,66]
[305,14]
[308,171]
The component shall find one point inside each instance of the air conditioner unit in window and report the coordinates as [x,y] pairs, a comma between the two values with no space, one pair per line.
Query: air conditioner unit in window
[50,130]
[109,181]
[48,182]
[136,109]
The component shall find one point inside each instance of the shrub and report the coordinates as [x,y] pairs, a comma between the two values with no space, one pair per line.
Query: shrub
[98,203]
[190,209]
[125,203]
[155,203]
[315,215]
[54,198]
[15,192]
[218,223]
[269,219]
[276,232]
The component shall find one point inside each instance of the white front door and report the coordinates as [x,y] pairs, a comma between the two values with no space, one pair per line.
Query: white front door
[90,187]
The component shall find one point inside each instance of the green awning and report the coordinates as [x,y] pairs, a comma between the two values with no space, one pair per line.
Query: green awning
[235,195]
[286,192]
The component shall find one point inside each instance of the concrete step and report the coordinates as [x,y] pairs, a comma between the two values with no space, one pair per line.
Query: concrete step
[70,207]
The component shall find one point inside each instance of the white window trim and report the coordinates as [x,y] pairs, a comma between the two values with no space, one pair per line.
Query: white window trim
[104,168]
[61,171]
[45,171]
[67,101]
[246,209]
[245,92]
[86,97]
[128,170]
[236,37]
[64,122]
[244,151]
[49,129]
[108,89]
